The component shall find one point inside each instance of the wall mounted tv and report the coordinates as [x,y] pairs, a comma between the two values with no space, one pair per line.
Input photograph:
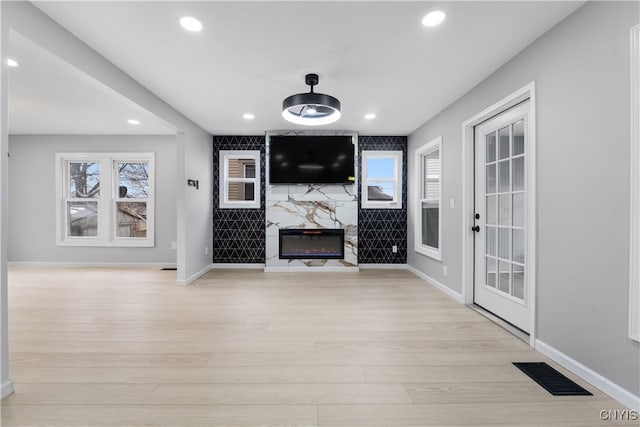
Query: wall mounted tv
[307,159]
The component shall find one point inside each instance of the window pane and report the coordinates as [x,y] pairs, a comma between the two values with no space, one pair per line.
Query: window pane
[491,241]
[491,272]
[504,209]
[83,218]
[249,171]
[84,180]
[430,221]
[518,246]
[503,176]
[503,143]
[133,180]
[491,179]
[431,175]
[432,190]
[491,147]
[491,209]
[503,243]
[239,191]
[503,280]
[518,209]
[381,167]
[131,219]
[518,281]
[380,192]
[518,174]
[518,137]
[241,168]
[249,188]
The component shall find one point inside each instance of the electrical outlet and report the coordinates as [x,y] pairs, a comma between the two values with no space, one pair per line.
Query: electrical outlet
[445,270]
[174,245]
[394,249]
[206,250]
[452,203]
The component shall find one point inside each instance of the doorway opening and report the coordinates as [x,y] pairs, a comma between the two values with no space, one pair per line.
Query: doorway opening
[499,220]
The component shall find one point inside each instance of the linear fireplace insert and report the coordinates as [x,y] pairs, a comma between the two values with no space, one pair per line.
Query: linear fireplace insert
[325,243]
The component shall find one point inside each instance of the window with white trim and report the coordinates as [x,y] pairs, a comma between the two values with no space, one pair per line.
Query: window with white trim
[239,179]
[381,180]
[428,199]
[105,199]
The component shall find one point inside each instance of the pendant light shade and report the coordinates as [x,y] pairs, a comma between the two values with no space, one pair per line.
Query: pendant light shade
[311,109]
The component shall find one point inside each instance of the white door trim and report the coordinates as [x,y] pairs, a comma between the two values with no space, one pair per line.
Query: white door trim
[526,92]
[634,263]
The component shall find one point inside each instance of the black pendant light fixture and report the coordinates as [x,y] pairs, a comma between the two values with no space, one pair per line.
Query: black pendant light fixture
[311,109]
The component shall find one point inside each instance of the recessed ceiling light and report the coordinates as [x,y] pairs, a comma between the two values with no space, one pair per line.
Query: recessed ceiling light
[434,18]
[249,116]
[190,24]
[370,116]
[12,62]
[133,122]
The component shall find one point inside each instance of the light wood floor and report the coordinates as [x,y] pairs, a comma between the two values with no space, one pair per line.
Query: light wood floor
[115,347]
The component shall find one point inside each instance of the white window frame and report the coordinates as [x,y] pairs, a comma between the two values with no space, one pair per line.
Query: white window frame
[106,201]
[435,253]
[396,203]
[634,264]
[225,156]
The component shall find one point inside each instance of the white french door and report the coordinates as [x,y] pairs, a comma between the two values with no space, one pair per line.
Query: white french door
[500,243]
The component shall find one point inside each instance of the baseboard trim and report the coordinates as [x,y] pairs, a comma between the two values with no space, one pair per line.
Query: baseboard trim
[383,266]
[445,289]
[222,266]
[195,276]
[92,264]
[6,389]
[620,394]
[311,269]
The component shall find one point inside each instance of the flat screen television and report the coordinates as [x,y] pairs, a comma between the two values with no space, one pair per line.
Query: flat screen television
[307,159]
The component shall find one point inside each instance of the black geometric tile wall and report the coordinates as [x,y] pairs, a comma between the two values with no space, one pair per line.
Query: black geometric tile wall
[380,229]
[238,234]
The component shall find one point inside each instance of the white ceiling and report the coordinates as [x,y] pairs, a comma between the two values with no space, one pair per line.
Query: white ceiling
[373,56]
[49,96]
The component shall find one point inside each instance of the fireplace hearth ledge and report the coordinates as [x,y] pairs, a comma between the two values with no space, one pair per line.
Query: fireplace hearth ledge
[311,269]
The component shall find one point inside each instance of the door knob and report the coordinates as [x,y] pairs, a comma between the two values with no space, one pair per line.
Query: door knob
[475,228]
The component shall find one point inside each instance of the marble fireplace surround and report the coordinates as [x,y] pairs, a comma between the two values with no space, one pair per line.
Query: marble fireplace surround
[310,206]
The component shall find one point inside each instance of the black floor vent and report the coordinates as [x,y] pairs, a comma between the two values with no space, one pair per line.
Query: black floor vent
[169,268]
[551,380]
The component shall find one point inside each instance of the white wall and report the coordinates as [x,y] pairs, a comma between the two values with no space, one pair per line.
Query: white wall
[194,144]
[581,70]
[32,203]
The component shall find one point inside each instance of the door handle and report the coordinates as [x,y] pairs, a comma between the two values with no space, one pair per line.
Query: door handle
[475,228]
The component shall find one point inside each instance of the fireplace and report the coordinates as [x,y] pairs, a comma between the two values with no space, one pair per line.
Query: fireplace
[326,243]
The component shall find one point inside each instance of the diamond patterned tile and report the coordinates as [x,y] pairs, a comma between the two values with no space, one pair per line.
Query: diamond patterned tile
[380,229]
[239,234]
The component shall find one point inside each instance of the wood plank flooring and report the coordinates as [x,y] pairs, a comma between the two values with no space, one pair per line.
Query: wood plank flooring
[127,347]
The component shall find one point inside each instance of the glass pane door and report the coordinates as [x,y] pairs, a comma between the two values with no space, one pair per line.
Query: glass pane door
[505,209]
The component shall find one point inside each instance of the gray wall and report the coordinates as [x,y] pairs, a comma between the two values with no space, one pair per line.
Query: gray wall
[194,143]
[581,70]
[32,235]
